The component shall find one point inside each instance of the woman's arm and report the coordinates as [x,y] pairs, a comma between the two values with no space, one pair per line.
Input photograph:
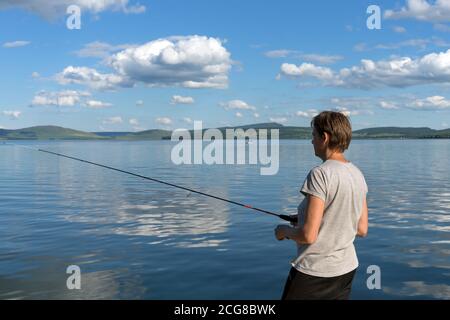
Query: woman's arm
[363,224]
[308,234]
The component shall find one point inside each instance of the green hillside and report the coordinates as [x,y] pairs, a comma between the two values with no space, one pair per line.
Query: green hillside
[146,135]
[3,133]
[443,134]
[295,133]
[47,133]
[286,132]
[394,132]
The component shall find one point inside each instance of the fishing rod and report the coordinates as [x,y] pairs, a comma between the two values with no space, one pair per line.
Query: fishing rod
[281,216]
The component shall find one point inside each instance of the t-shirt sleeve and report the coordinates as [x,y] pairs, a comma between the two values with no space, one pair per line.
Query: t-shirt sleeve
[315,184]
[366,188]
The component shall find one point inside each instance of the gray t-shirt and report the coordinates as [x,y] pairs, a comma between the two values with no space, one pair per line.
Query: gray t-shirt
[343,188]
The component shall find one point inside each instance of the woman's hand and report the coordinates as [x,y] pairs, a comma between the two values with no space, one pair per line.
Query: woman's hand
[280,232]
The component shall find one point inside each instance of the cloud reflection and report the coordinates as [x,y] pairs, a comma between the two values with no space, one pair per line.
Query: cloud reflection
[177,220]
[420,288]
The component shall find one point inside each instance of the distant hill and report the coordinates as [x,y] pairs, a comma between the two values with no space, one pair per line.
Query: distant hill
[267,125]
[443,133]
[295,133]
[394,132]
[286,132]
[47,133]
[401,133]
[146,135]
[3,133]
[110,134]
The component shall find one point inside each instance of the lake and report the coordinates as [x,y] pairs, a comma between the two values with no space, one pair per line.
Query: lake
[136,239]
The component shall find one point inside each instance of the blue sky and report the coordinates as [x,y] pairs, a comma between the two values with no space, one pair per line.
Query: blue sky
[163,64]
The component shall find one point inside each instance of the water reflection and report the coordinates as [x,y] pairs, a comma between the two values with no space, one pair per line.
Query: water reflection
[421,289]
[129,236]
[42,284]
[181,217]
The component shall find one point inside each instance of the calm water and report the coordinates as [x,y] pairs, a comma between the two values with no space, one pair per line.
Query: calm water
[135,239]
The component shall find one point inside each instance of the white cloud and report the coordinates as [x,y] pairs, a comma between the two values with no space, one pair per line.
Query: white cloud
[422,10]
[182,100]
[280,120]
[307,70]
[360,47]
[139,103]
[238,115]
[399,29]
[400,72]
[310,113]
[190,62]
[430,103]
[187,120]
[95,104]
[13,115]
[442,27]
[347,112]
[421,289]
[98,49]
[237,104]
[414,43]
[113,120]
[134,122]
[309,57]
[278,53]
[67,98]
[319,58]
[389,105]
[420,43]
[135,9]
[35,75]
[353,102]
[164,121]
[91,78]
[51,9]
[352,106]
[15,44]
[256,115]
[440,42]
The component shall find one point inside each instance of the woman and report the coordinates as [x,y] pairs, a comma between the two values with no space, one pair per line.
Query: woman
[332,214]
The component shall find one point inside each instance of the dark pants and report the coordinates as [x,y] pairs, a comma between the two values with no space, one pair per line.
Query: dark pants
[300,286]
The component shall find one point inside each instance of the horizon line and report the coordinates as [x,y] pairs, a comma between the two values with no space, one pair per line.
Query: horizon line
[223,127]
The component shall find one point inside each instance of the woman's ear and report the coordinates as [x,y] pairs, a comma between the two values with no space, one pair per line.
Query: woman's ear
[326,138]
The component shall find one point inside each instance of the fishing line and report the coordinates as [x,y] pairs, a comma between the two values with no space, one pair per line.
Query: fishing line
[281,216]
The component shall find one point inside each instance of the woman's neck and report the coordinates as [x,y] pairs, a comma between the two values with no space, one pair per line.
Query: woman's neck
[333,155]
